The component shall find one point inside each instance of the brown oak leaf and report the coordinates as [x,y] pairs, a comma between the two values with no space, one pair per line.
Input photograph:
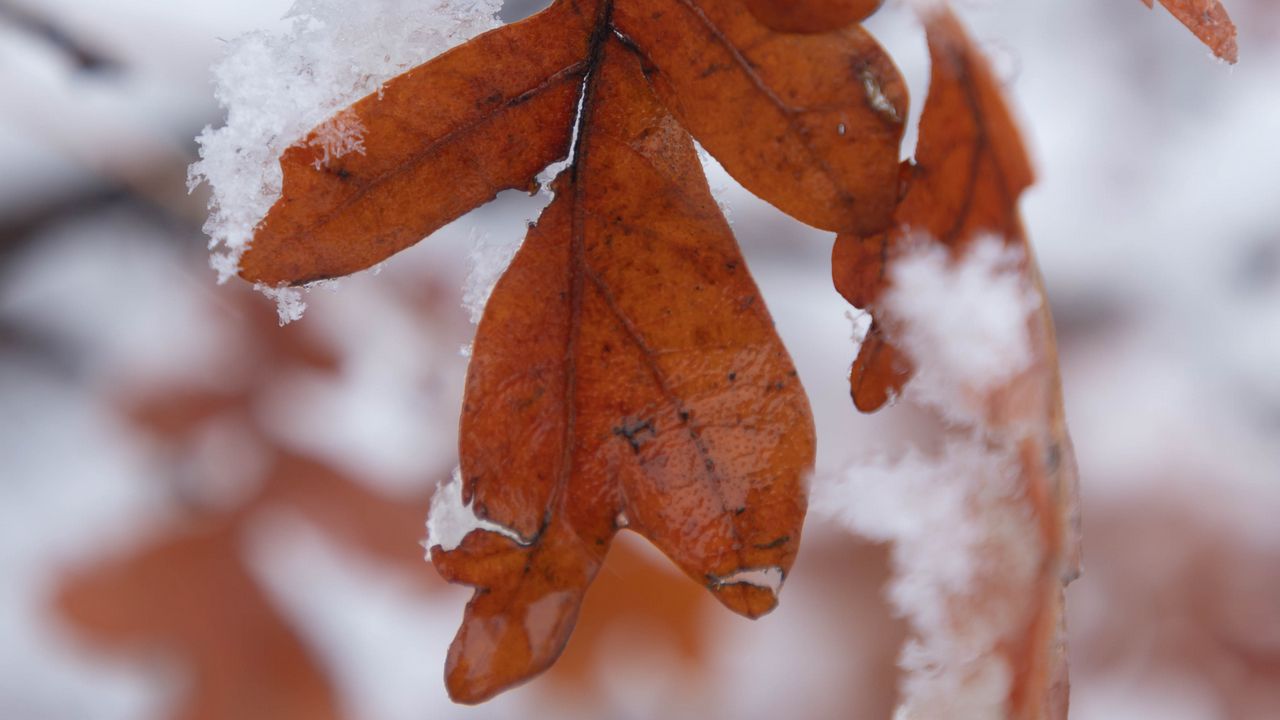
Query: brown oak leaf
[191,596]
[810,123]
[436,142]
[971,169]
[626,374]
[186,593]
[1209,21]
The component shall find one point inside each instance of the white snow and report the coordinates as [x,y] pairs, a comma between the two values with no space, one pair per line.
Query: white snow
[340,135]
[379,631]
[288,300]
[879,101]
[964,322]
[489,258]
[277,86]
[451,521]
[965,547]
[957,521]
[769,578]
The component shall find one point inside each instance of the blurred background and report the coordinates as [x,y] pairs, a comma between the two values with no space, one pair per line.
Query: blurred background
[206,516]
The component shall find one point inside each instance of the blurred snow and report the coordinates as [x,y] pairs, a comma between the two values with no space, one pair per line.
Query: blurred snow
[964,324]
[382,637]
[73,486]
[1153,218]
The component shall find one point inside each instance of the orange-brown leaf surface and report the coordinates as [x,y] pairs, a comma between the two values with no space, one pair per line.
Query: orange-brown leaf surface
[810,123]
[809,16]
[240,653]
[970,169]
[433,143]
[1209,21]
[625,374]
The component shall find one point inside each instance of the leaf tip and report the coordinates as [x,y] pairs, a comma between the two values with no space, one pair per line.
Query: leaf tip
[749,592]
[504,642]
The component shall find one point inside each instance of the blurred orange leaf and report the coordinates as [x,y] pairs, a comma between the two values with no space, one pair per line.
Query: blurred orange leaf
[969,170]
[187,593]
[1209,21]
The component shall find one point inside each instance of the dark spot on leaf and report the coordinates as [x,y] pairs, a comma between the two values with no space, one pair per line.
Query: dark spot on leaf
[636,433]
[775,543]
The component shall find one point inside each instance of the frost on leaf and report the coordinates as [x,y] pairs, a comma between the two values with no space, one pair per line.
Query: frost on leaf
[277,86]
[970,168]
[983,530]
[490,115]
[451,520]
[340,135]
[289,302]
[438,141]
[1209,21]
[966,316]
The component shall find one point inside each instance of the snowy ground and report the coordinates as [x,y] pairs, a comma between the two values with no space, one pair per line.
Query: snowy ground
[1155,224]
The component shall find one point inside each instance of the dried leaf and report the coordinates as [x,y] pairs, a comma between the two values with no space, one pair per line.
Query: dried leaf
[431,145]
[970,169]
[625,374]
[189,594]
[1209,21]
[810,123]
[186,592]
[811,16]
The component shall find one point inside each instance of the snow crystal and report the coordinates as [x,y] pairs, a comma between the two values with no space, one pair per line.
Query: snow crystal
[277,86]
[957,523]
[879,101]
[964,322]
[340,135]
[489,258]
[450,521]
[859,324]
[966,546]
[289,302]
[769,578]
